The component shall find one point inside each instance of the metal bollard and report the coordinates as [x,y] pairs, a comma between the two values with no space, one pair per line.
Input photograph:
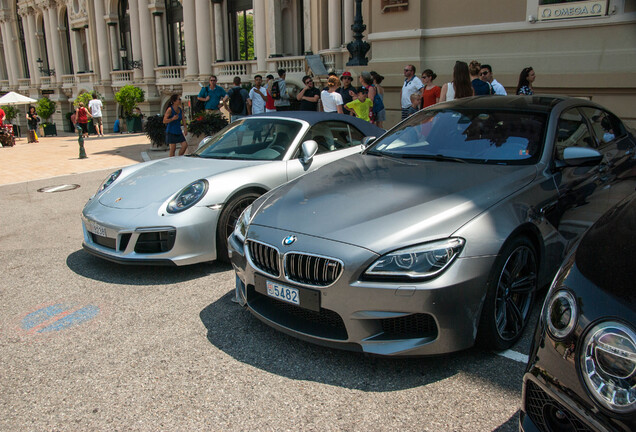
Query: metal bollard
[80,140]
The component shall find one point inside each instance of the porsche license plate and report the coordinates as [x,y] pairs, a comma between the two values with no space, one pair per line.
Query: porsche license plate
[97,229]
[282,292]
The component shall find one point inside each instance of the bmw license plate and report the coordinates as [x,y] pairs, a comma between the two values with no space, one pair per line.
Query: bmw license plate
[97,229]
[282,292]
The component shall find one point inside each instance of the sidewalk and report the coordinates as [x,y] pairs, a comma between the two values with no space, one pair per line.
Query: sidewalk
[55,156]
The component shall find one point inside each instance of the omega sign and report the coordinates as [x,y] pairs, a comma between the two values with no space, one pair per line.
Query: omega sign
[567,10]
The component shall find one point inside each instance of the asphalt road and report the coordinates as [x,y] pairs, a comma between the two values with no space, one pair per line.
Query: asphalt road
[86,345]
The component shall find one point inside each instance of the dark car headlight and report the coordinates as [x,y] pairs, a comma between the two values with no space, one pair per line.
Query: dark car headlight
[415,262]
[243,222]
[561,313]
[108,181]
[188,196]
[608,365]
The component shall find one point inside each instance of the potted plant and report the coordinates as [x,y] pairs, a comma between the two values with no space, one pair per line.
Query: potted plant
[45,109]
[156,131]
[128,97]
[205,124]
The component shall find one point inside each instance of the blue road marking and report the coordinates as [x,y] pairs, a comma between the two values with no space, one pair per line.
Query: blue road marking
[58,317]
[81,315]
[39,316]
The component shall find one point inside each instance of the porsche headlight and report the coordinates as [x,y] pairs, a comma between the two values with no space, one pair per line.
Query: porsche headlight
[422,261]
[108,181]
[608,365]
[243,222]
[189,196]
[561,313]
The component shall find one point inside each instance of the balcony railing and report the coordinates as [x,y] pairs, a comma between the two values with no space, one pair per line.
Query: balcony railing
[4,85]
[242,68]
[88,77]
[68,80]
[46,81]
[121,78]
[290,64]
[170,74]
[24,83]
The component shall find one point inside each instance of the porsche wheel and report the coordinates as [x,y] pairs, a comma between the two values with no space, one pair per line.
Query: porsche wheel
[227,222]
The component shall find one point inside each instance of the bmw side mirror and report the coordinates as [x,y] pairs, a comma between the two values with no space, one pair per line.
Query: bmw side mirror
[581,156]
[308,150]
[367,141]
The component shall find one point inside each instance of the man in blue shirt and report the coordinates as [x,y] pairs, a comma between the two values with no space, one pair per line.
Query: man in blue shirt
[212,95]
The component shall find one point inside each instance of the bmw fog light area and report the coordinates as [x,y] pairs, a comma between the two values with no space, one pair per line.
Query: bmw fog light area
[417,262]
[188,196]
[561,313]
[108,181]
[240,229]
[608,366]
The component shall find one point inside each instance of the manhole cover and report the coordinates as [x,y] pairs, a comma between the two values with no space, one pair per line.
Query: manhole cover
[59,188]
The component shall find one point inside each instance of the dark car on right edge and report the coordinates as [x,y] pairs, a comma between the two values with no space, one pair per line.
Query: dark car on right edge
[581,373]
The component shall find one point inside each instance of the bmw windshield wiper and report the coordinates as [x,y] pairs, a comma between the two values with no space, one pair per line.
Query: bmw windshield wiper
[437,157]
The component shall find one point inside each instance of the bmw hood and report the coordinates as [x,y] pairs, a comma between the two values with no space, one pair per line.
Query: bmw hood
[157,181]
[384,203]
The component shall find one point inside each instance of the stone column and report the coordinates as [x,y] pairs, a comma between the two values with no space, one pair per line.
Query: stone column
[347,16]
[159,38]
[189,20]
[56,44]
[135,35]
[335,26]
[260,35]
[10,52]
[101,34]
[147,51]
[204,38]
[33,55]
[218,32]
[275,21]
[48,32]
[114,45]
[307,25]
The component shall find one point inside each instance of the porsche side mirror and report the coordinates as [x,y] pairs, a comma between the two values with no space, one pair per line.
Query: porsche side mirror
[308,150]
[367,141]
[204,141]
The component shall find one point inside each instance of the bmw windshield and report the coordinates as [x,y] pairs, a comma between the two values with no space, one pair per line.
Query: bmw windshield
[467,135]
[252,139]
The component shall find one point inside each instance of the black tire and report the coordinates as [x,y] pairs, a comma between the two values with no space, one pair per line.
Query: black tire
[511,290]
[227,222]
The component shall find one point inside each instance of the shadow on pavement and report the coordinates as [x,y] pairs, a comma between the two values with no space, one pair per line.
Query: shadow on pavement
[91,267]
[512,425]
[236,332]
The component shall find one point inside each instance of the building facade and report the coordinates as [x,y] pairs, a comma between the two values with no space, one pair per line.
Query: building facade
[63,48]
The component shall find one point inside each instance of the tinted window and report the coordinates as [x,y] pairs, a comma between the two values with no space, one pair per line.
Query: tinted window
[476,136]
[257,138]
[334,135]
[605,126]
[572,132]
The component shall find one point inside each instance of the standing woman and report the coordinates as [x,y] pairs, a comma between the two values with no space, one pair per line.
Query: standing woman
[431,92]
[526,78]
[460,87]
[173,119]
[330,98]
[32,124]
[366,81]
[81,117]
[380,116]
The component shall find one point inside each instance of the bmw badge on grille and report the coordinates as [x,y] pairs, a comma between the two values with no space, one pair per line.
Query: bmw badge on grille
[289,240]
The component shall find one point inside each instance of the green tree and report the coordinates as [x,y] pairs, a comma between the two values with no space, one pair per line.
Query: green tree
[45,108]
[128,97]
[246,27]
[10,111]
[85,98]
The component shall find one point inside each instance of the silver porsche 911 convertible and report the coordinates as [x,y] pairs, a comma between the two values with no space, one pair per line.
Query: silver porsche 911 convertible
[440,233]
[180,211]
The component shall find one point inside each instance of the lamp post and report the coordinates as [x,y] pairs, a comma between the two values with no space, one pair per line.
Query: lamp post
[358,48]
[128,64]
[44,71]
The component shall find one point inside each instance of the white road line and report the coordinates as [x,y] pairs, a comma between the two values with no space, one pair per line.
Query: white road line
[514,355]
[145,156]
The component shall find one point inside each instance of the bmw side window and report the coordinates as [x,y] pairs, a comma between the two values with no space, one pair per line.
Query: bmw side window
[605,126]
[572,131]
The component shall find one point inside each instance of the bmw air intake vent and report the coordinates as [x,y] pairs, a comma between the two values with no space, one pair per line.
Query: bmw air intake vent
[264,257]
[312,270]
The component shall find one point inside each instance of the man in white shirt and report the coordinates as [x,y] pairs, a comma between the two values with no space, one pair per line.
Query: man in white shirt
[485,74]
[258,96]
[95,107]
[412,84]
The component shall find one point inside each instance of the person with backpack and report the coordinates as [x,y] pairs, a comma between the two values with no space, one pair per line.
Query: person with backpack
[237,97]
[269,105]
[279,92]
[212,95]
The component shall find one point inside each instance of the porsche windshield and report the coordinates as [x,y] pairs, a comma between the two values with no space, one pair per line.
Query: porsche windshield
[252,139]
[467,135]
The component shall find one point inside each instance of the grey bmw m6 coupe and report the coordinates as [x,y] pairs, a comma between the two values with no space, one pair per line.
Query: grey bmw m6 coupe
[438,235]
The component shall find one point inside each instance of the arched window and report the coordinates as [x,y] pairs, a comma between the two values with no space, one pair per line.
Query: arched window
[176,39]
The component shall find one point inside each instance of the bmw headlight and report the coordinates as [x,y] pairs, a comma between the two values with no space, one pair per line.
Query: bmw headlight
[422,261]
[189,196]
[561,313]
[243,222]
[108,181]
[608,365]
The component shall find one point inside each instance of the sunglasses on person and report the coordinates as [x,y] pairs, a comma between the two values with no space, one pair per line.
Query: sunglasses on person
[483,73]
